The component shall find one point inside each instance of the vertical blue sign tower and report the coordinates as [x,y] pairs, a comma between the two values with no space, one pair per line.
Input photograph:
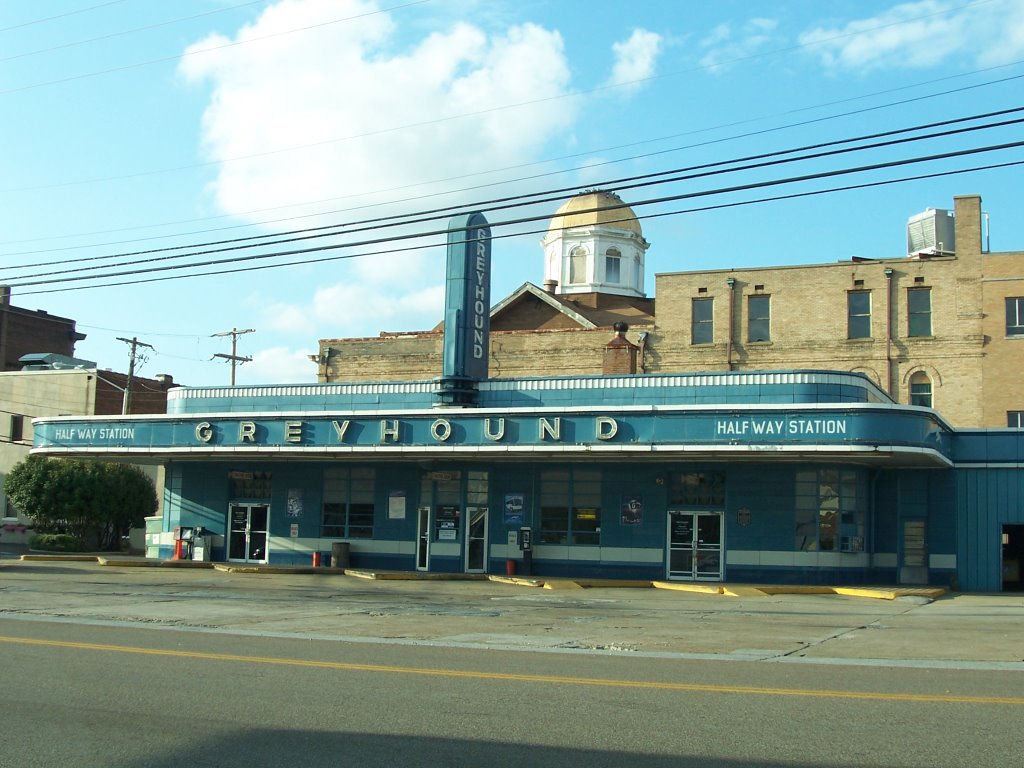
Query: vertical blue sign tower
[467,310]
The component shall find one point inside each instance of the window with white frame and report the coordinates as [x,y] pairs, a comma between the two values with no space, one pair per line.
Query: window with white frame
[702,325]
[613,266]
[921,389]
[919,312]
[759,327]
[1015,419]
[858,315]
[1015,316]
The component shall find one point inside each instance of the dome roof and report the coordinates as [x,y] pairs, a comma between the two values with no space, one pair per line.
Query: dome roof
[617,218]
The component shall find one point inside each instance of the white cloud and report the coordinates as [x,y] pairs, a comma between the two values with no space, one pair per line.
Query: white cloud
[923,34]
[279,365]
[349,92]
[725,46]
[635,58]
[356,110]
[352,309]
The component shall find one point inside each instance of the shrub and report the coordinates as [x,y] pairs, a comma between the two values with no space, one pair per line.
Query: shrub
[56,542]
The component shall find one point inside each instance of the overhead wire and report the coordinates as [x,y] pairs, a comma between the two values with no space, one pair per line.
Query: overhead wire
[480,186]
[444,232]
[514,105]
[123,32]
[64,15]
[719,206]
[522,200]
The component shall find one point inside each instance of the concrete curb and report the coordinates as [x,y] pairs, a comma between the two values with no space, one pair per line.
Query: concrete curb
[555,584]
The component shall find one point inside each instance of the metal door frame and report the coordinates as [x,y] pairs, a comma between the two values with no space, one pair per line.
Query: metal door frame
[468,539]
[248,506]
[423,518]
[695,546]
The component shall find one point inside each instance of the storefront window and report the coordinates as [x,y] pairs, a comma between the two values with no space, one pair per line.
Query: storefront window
[348,503]
[830,510]
[570,507]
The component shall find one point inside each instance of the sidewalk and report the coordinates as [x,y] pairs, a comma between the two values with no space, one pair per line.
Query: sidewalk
[714,621]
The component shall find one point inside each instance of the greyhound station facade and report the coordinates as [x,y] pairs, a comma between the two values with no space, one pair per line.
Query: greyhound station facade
[810,477]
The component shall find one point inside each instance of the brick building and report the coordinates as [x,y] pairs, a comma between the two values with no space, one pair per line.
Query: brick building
[24,331]
[937,327]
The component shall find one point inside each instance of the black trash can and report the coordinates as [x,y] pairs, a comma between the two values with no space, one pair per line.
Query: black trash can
[339,554]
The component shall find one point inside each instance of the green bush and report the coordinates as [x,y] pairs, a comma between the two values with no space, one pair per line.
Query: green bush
[56,542]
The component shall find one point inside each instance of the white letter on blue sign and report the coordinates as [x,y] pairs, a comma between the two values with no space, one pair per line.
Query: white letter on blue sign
[607,428]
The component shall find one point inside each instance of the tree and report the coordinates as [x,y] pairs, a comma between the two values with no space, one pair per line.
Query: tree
[97,502]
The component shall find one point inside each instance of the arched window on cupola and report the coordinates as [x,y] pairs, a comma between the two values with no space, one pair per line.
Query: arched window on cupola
[578,265]
[613,266]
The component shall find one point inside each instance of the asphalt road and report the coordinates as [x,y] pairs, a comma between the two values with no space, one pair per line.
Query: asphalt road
[127,696]
[127,667]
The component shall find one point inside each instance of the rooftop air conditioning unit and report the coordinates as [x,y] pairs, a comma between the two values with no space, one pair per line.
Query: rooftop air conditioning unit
[932,232]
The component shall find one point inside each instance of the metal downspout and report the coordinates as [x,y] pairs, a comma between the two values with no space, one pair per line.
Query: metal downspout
[731,282]
[888,333]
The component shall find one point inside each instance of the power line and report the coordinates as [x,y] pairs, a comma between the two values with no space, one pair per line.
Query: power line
[661,177]
[484,111]
[720,206]
[124,32]
[176,57]
[60,15]
[494,225]
[503,182]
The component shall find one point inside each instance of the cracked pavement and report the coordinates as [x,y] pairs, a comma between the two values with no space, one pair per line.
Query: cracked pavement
[957,629]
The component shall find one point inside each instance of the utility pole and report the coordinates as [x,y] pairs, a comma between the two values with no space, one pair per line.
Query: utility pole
[134,343]
[235,359]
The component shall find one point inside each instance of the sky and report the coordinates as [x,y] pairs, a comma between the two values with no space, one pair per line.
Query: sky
[216,165]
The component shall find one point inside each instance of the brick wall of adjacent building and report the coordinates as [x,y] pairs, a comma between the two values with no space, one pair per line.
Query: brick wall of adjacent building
[565,352]
[972,367]
[809,321]
[25,331]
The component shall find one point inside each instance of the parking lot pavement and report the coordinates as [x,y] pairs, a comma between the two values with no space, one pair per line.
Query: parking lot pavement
[736,623]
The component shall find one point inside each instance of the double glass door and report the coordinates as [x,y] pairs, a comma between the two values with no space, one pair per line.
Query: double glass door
[247,532]
[694,546]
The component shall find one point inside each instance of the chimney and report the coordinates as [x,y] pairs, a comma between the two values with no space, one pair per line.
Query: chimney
[5,295]
[550,286]
[620,354]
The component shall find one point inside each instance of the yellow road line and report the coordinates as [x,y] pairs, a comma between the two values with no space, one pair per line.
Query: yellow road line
[455,673]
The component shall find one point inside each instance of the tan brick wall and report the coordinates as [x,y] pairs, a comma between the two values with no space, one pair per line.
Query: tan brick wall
[974,369]
[809,322]
[576,352]
[1004,357]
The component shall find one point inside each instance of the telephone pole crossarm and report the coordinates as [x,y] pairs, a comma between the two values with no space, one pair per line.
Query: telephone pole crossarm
[134,343]
[235,359]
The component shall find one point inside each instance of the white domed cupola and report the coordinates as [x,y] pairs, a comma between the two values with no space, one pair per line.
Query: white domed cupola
[594,244]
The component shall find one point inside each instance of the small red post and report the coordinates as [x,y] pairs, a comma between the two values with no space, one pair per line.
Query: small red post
[510,567]
[316,559]
[179,549]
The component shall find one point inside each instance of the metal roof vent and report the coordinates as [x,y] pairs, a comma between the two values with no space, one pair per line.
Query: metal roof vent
[931,233]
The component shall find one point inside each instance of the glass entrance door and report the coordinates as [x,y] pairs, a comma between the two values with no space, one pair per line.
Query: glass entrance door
[423,539]
[694,546]
[476,539]
[247,532]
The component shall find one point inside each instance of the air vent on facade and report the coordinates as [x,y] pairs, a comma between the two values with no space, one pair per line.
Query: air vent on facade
[932,232]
